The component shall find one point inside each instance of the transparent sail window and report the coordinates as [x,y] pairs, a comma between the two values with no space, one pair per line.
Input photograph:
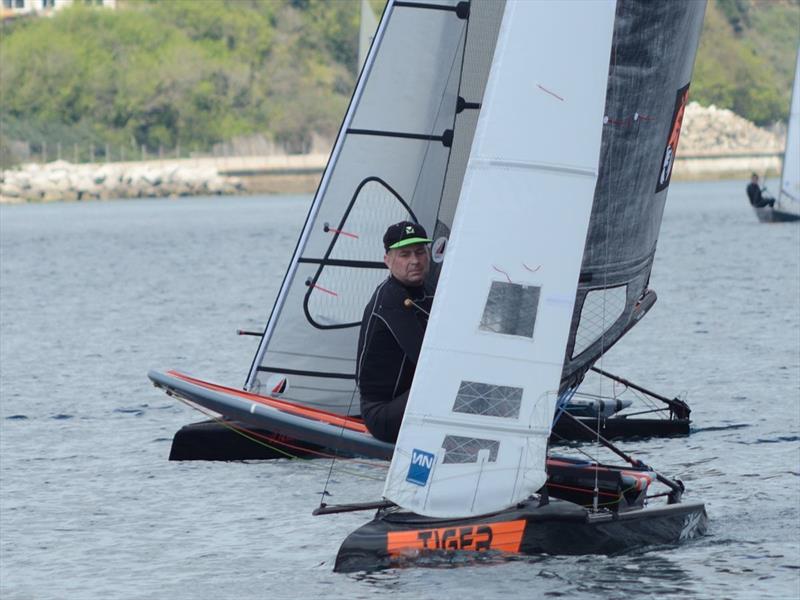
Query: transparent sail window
[339,292]
[461,450]
[511,309]
[372,209]
[488,400]
[601,309]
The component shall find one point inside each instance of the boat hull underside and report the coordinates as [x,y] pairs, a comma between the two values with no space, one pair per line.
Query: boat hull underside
[559,528]
[215,440]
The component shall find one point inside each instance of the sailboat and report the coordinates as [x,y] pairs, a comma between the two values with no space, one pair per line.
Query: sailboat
[306,357]
[535,140]
[625,412]
[787,204]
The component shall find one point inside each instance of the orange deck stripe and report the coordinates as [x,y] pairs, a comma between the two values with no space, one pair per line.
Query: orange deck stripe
[283,405]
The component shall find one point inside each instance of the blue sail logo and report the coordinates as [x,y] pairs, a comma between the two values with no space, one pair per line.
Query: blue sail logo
[420,468]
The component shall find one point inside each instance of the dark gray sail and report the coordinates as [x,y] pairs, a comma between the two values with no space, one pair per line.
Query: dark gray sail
[652,59]
[399,155]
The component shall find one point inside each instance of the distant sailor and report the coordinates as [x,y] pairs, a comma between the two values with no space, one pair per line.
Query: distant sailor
[754,192]
[392,329]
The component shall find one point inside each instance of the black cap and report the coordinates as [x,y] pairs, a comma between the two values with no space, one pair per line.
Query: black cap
[404,233]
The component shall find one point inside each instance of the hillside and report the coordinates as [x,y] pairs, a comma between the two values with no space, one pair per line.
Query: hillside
[185,77]
[746,58]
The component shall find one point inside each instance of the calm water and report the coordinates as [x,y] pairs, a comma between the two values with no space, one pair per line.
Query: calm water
[93,295]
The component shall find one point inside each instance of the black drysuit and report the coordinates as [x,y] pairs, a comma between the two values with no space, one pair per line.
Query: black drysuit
[388,350]
[756,198]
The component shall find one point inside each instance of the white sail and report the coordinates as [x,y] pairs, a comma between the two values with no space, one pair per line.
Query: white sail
[789,197]
[475,431]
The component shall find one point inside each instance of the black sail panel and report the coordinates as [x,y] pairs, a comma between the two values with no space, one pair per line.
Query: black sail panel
[651,64]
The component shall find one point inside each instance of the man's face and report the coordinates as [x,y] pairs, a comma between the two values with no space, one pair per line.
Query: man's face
[754,179]
[409,265]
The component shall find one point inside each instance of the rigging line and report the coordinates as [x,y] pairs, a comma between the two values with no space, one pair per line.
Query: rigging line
[336,450]
[561,405]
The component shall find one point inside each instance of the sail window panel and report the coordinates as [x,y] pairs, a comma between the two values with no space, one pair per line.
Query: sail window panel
[488,400]
[460,449]
[601,309]
[411,72]
[339,294]
[373,208]
[411,168]
[510,309]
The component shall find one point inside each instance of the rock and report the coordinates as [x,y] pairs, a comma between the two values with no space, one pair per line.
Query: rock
[713,131]
[10,189]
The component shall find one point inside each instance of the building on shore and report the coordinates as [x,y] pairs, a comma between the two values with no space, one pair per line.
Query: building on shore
[16,8]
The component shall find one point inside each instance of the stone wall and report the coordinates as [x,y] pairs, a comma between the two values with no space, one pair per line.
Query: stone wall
[61,180]
[718,144]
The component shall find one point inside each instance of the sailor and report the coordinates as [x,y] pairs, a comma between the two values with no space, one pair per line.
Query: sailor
[392,330]
[754,193]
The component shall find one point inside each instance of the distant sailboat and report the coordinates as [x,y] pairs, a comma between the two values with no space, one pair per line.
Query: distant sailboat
[535,140]
[787,204]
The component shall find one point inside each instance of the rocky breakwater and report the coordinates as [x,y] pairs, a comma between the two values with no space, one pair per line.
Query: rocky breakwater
[712,131]
[61,180]
[717,143]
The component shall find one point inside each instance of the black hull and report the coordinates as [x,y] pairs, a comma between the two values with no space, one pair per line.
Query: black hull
[617,428]
[560,528]
[211,440]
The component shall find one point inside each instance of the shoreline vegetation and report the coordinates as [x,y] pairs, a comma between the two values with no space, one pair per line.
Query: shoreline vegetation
[248,96]
[715,144]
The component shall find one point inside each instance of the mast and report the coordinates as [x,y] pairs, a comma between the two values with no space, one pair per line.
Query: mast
[475,431]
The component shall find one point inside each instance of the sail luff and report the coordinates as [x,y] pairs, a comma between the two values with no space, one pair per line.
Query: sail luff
[475,430]
[366,31]
[789,195]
